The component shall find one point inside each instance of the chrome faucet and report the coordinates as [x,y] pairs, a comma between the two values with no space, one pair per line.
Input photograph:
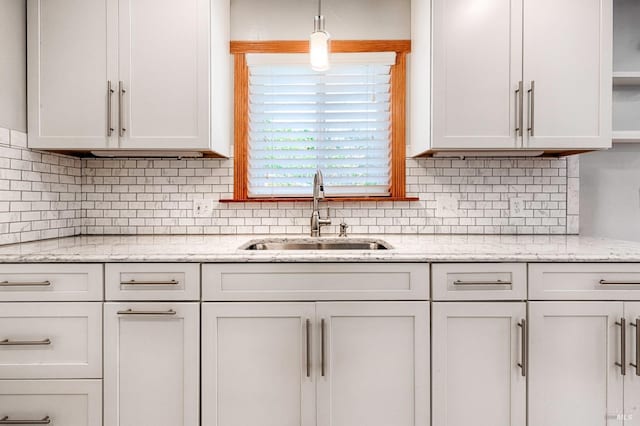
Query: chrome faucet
[318,194]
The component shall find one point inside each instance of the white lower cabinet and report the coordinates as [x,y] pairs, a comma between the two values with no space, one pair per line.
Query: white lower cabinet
[477,364]
[52,402]
[573,376]
[333,363]
[151,364]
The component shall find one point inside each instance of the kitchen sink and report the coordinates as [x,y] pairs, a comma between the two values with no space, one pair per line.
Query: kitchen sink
[317,244]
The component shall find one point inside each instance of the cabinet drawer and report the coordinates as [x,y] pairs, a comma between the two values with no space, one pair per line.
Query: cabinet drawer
[584,281]
[62,402]
[152,281]
[50,282]
[50,340]
[316,281]
[479,281]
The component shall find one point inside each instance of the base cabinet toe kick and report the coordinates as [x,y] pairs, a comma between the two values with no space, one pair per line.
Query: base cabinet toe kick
[407,344]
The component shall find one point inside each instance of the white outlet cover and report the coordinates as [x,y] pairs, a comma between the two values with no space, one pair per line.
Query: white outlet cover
[202,208]
[517,207]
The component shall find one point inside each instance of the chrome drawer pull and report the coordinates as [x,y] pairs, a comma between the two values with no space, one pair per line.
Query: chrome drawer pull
[308,346]
[25,284]
[132,312]
[623,346]
[7,342]
[637,364]
[497,282]
[134,282]
[524,350]
[6,421]
[607,282]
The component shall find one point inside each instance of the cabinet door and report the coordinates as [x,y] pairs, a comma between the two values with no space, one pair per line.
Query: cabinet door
[476,378]
[573,376]
[477,65]
[632,380]
[164,69]
[567,53]
[151,364]
[257,364]
[71,58]
[374,363]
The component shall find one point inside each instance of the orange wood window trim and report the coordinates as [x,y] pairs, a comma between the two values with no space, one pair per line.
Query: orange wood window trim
[398,109]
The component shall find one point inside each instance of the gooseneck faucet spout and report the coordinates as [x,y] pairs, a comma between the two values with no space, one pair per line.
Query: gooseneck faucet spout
[318,194]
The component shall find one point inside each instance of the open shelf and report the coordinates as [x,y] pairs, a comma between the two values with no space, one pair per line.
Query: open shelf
[622,136]
[623,78]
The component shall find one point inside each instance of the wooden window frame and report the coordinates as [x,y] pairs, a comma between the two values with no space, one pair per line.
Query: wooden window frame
[239,49]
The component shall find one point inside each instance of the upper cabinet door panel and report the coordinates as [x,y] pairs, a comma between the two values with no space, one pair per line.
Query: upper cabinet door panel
[477,65]
[70,61]
[568,54]
[164,63]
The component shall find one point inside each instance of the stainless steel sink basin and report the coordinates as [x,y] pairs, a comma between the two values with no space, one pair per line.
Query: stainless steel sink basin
[317,244]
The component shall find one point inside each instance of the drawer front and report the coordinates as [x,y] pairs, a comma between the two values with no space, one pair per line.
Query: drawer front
[50,340]
[60,402]
[584,281]
[50,282]
[316,281]
[479,281]
[152,281]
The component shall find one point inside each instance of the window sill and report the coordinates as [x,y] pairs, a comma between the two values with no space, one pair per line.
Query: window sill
[308,199]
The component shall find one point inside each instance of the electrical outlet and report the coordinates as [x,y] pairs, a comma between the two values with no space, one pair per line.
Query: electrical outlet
[517,207]
[202,208]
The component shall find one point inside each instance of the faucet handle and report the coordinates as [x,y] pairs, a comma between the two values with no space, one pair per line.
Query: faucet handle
[343,229]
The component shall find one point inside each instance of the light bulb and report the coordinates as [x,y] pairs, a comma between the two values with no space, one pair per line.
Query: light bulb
[319,50]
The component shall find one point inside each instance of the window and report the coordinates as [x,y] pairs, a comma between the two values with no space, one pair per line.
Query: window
[348,121]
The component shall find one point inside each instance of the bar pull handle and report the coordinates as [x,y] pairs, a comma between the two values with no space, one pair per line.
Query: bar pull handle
[8,342]
[134,282]
[308,346]
[532,105]
[147,313]
[25,284]
[607,282]
[110,92]
[637,363]
[519,108]
[623,346]
[7,421]
[322,347]
[121,92]
[523,347]
[496,282]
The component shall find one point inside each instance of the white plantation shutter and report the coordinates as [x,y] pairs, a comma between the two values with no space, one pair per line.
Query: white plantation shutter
[338,121]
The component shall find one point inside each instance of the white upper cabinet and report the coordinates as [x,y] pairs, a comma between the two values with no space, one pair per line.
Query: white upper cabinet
[127,74]
[71,60]
[567,73]
[516,74]
[477,66]
[163,57]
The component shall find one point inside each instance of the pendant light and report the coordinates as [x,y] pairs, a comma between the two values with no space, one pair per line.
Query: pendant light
[319,42]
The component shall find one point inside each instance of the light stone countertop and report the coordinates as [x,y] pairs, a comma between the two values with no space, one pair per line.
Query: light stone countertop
[406,248]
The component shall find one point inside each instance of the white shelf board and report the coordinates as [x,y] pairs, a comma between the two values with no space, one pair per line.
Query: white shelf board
[626,136]
[624,78]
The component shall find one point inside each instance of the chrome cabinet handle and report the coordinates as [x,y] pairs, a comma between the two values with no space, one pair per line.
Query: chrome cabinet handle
[148,313]
[322,347]
[637,364]
[134,282]
[25,284]
[523,347]
[308,346]
[110,92]
[7,421]
[121,93]
[623,346]
[519,108]
[496,282]
[607,282]
[532,106]
[8,342]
